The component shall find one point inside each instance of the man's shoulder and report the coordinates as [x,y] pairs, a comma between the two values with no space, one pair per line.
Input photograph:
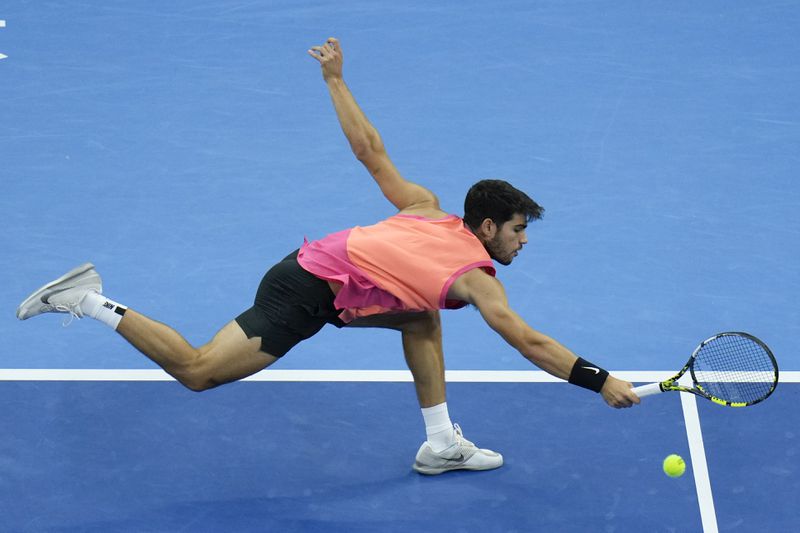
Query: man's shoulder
[466,284]
[477,275]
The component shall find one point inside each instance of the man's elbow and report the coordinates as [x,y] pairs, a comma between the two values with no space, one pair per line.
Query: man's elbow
[368,148]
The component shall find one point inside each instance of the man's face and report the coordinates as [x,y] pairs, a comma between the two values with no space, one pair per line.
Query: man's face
[508,240]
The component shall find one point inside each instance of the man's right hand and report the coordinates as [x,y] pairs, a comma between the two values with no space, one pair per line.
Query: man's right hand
[330,57]
[618,393]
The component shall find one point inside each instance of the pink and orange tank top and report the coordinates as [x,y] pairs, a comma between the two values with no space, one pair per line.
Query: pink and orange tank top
[404,263]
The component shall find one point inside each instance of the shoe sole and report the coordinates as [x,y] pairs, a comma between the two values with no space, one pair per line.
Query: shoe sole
[77,271]
[436,471]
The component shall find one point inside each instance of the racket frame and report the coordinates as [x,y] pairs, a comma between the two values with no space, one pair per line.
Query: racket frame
[672,384]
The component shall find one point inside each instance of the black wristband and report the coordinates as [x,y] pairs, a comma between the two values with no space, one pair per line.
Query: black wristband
[587,375]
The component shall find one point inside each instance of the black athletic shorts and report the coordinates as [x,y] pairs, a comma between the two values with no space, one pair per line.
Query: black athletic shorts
[291,305]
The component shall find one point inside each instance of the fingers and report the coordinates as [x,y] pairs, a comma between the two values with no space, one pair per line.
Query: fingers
[321,51]
[626,400]
[330,48]
[623,397]
[618,402]
[314,52]
[630,397]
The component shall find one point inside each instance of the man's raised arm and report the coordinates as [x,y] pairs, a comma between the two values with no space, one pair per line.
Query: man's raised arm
[364,139]
[488,295]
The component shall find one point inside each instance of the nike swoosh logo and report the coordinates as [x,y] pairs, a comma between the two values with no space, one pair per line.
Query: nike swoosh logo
[455,461]
[48,293]
[596,370]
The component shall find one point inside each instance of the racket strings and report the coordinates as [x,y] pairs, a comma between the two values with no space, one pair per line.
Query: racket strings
[735,368]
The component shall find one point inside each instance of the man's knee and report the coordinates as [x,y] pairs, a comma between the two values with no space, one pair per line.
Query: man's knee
[197,383]
[195,375]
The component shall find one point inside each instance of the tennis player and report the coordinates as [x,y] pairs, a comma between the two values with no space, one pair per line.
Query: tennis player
[395,274]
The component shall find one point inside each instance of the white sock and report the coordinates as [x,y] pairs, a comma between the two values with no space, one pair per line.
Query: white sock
[107,311]
[438,427]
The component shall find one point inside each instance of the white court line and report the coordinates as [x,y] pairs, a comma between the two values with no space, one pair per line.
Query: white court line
[464,376]
[699,466]
[467,376]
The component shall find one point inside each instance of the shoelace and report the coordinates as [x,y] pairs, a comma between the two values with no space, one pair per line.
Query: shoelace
[74,311]
[460,440]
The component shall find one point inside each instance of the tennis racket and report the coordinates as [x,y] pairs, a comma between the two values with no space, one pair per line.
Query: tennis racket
[734,369]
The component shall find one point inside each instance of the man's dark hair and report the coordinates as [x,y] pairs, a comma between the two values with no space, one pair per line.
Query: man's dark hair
[499,201]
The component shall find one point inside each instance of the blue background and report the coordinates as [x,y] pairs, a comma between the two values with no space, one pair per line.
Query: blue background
[183,147]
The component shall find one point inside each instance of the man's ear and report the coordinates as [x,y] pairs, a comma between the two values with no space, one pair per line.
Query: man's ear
[487,229]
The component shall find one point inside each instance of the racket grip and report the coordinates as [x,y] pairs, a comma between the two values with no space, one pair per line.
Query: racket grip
[647,390]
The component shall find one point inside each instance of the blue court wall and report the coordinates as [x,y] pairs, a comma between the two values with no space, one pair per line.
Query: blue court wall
[184,147]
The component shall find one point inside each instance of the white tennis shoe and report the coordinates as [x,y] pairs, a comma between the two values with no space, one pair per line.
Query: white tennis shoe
[62,295]
[461,455]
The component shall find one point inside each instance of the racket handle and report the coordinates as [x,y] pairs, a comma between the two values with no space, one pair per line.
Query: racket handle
[647,390]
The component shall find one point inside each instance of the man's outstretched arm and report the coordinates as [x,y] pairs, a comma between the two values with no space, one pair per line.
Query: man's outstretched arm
[488,295]
[364,139]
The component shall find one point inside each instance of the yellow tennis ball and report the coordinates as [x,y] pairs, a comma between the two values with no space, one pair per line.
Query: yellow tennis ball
[674,465]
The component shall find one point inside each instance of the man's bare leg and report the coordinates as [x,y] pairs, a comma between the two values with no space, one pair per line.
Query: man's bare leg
[422,347]
[228,357]
[445,448]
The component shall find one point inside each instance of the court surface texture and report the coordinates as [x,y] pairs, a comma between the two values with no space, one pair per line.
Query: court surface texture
[184,147]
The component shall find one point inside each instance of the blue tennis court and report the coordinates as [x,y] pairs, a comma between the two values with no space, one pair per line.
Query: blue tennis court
[185,147]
